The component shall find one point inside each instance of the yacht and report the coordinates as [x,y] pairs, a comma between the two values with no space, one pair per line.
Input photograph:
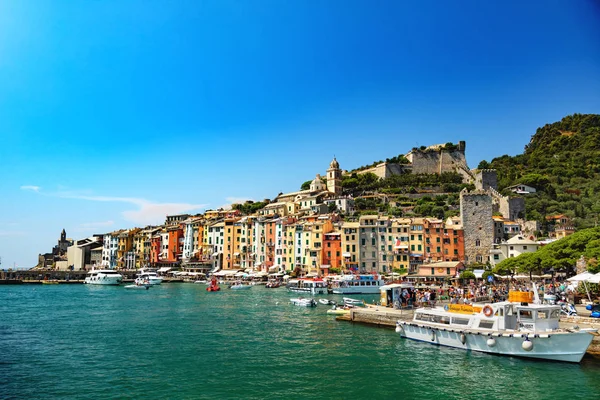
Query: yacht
[521,327]
[103,277]
[357,284]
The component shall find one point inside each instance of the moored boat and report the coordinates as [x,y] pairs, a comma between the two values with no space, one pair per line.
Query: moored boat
[305,285]
[103,277]
[357,284]
[520,327]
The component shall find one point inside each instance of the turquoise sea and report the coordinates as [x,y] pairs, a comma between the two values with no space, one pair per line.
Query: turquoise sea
[177,341]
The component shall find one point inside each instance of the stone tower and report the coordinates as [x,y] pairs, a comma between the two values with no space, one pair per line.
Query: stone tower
[334,178]
[478,225]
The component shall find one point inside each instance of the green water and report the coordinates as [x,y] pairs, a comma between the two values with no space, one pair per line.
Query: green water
[177,341]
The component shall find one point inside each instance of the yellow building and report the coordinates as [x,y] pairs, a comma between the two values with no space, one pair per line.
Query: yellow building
[350,246]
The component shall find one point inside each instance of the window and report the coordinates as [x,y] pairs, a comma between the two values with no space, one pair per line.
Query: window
[477,243]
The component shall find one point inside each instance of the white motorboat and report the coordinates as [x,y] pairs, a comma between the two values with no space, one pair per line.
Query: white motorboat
[148,277]
[138,286]
[312,286]
[103,277]
[327,302]
[202,281]
[240,286]
[353,302]
[304,302]
[521,327]
[357,284]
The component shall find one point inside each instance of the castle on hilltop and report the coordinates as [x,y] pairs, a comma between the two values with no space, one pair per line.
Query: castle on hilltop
[435,159]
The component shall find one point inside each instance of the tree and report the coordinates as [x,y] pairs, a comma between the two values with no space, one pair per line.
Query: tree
[306,185]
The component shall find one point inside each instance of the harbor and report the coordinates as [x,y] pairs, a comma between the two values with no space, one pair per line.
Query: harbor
[179,338]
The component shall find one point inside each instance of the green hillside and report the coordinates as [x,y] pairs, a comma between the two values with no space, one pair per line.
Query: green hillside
[562,161]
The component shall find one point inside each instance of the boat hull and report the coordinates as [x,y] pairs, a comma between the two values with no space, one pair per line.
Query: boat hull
[315,290]
[567,346]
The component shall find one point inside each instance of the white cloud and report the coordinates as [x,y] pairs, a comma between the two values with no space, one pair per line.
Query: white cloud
[147,212]
[12,233]
[31,187]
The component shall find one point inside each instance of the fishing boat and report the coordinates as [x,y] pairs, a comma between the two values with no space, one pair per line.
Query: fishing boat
[272,284]
[304,302]
[357,284]
[305,285]
[521,326]
[103,277]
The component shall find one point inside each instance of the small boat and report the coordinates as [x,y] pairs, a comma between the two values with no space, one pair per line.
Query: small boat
[214,285]
[327,302]
[304,302]
[240,286]
[272,284]
[202,281]
[149,277]
[339,310]
[354,302]
[53,282]
[139,286]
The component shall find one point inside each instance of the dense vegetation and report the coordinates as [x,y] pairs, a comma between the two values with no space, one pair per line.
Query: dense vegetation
[249,207]
[560,255]
[562,161]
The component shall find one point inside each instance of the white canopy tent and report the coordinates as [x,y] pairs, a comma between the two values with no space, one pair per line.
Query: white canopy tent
[594,278]
[584,276]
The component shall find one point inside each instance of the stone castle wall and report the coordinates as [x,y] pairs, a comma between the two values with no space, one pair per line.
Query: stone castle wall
[436,162]
[385,170]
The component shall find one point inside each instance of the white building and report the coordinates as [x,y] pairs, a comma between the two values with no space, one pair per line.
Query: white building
[513,247]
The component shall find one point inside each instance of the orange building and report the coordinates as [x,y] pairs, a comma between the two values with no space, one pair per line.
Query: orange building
[443,241]
[175,247]
[332,252]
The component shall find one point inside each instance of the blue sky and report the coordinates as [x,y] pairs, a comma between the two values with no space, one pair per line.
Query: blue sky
[114,114]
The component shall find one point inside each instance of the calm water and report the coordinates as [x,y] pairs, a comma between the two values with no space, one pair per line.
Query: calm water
[179,341]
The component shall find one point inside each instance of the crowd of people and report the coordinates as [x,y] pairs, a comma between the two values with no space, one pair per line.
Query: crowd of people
[479,292]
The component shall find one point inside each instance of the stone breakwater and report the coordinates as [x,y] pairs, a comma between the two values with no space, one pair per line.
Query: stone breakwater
[387,317]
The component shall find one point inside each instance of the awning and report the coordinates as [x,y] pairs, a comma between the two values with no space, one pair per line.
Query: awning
[214,270]
[584,276]
[164,269]
[226,272]
[594,278]
[236,254]
[325,266]
[478,273]
[274,268]
[416,255]
[346,255]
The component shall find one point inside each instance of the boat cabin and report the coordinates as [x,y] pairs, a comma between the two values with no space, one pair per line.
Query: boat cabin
[495,317]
